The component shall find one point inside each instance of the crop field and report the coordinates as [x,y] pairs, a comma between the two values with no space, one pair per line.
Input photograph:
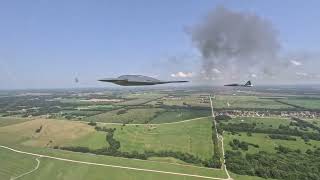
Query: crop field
[306,102]
[191,100]
[251,102]
[141,115]
[179,115]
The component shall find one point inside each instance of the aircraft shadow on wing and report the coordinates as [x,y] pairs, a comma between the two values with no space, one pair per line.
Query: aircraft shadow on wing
[137,80]
[247,84]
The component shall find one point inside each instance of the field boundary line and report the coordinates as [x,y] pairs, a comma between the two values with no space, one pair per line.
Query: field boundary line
[108,165]
[29,172]
[177,122]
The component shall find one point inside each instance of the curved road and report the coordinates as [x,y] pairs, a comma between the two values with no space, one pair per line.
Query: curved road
[37,166]
[106,165]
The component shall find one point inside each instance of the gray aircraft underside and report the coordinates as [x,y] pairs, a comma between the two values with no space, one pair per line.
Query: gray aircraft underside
[136,80]
[247,84]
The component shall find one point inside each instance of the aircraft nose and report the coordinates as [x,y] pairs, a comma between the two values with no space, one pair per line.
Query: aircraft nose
[108,79]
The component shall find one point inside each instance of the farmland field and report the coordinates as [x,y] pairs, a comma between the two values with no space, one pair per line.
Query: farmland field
[251,102]
[192,137]
[141,115]
[267,144]
[179,115]
[262,122]
[308,103]
[6,121]
[53,132]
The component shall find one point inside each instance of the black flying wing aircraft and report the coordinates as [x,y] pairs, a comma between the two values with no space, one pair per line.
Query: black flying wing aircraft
[247,84]
[137,80]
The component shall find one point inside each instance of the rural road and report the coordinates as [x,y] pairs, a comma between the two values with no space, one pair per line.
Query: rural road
[221,139]
[105,165]
[37,166]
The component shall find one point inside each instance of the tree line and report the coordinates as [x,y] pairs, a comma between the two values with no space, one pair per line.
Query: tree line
[282,130]
[114,150]
[280,165]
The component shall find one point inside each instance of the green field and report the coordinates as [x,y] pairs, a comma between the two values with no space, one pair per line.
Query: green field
[191,100]
[6,121]
[262,122]
[95,140]
[141,116]
[177,136]
[14,164]
[179,115]
[192,137]
[251,102]
[140,98]
[267,144]
[308,103]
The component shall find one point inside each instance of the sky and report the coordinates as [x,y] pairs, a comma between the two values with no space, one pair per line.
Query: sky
[47,44]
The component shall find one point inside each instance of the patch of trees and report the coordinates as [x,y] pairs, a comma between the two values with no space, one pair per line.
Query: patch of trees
[302,124]
[281,165]
[283,130]
[289,104]
[282,137]
[237,144]
[122,111]
[114,146]
[39,129]
[217,157]
[223,117]
[186,157]
[91,123]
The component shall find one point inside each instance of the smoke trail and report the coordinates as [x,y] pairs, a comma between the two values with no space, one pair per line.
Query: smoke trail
[235,45]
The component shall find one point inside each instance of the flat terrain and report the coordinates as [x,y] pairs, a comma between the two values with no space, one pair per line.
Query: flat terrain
[192,137]
[250,102]
[267,144]
[6,121]
[159,120]
[179,115]
[309,103]
[141,115]
[262,122]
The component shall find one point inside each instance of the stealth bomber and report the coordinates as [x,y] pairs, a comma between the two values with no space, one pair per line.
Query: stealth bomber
[247,84]
[137,80]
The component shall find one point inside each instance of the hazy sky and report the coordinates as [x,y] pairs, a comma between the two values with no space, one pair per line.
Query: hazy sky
[47,44]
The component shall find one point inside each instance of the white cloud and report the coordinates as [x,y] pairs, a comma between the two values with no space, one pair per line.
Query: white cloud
[215,70]
[295,63]
[182,74]
[253,75]
[301,74]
